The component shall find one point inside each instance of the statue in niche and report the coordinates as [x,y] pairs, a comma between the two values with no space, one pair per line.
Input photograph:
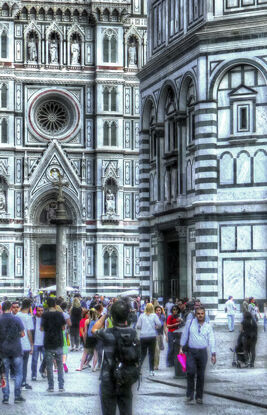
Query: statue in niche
[110,203]
[132,53]
[75,53]
[2,200]
[53,50]
[32,50]
[51,212]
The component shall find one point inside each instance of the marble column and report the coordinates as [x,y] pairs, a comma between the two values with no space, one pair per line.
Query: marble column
[61,260]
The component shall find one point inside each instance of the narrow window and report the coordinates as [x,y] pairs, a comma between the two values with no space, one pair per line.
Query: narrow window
[113,100]
[113,135]
[106,131]
[106,49]
[4,45]
[113,264]
[106,100]
[4,131]
[106,264]
[113,45]
[4,96]
[243,118]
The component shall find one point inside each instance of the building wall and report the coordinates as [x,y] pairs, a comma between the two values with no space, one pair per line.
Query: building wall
[74,78]
[203,147]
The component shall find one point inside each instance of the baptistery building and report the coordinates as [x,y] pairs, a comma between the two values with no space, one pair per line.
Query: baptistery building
[203,150]
[69,113]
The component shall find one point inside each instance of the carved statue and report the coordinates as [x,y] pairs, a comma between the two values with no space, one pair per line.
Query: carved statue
[2,200]
[75,53]
[132,52]
[53,50]
[110,202]
[32,50]
[51,212]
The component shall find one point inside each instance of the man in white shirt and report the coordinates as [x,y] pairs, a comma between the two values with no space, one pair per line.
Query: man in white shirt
[26,341]
[38,343]
[198,334]
[230,310]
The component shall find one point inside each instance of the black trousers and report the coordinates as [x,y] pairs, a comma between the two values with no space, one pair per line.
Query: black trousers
[150,344]
[195,366]
[110,397]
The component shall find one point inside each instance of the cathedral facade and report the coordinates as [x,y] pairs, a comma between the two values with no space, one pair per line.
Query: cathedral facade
[203,150]
[70,111]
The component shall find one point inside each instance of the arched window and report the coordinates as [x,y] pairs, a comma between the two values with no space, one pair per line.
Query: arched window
[113,134]
[113,100]
[4,96]
[106,99]
[113,45]
[226,169]
[110,263]
[4,45]
[3,262]
[4,131]
[110,48]
[106,264]
[106,134]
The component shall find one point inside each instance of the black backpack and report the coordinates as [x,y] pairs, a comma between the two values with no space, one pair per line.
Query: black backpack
[127,355]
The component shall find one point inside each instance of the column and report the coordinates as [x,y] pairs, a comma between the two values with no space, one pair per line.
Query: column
[61,260]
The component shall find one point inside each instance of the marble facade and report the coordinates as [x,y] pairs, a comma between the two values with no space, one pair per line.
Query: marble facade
[69,106]
[203,153]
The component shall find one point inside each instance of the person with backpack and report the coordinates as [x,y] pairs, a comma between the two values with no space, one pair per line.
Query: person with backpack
[121,360]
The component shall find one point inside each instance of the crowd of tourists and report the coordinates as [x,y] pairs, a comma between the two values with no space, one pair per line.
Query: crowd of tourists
[114,335]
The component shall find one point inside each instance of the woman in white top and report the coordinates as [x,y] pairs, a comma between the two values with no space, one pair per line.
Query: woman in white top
[148,323]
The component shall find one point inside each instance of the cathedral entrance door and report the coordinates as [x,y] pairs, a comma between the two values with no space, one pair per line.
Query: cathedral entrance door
[47,265]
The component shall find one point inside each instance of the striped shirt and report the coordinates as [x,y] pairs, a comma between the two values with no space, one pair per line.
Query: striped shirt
[201,336]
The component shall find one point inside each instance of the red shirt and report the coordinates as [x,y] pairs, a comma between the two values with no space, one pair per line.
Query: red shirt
[172,320]
[82,324]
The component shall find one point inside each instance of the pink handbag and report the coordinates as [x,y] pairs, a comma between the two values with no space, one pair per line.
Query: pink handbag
[182,360]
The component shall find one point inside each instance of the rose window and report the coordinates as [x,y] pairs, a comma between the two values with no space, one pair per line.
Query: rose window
[52,116]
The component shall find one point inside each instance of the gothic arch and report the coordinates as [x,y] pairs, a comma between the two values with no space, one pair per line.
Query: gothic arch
[222,69]
[165,90]
[187,79]
[148,106]
[43,199]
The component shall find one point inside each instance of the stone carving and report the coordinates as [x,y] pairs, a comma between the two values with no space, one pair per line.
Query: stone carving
[110,202]
[53,51]
[32,50]
[2,200]
[132,54]
[75,53]
[51,212]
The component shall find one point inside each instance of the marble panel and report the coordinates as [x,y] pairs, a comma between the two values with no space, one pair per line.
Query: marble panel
[255,279]
[260,237]
[233,278]
[227,169]
[228,238]
[243,169]
[260,167]
[243,238]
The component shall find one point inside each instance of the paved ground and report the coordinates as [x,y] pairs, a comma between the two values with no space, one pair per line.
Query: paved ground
[157,398]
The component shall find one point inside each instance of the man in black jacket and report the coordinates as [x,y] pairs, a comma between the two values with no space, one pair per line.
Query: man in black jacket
[115,392]
[11,331]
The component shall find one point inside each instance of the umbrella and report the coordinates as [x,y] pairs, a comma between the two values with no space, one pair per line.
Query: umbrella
[54,288]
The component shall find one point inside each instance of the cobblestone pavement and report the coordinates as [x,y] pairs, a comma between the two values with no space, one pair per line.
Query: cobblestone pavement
[81,396]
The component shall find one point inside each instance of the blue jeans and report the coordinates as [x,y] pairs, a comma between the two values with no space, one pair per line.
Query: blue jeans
[170,352]
[25,358]
[35,355]
[17,364]
[231,322]
[50,356]
[265,323]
